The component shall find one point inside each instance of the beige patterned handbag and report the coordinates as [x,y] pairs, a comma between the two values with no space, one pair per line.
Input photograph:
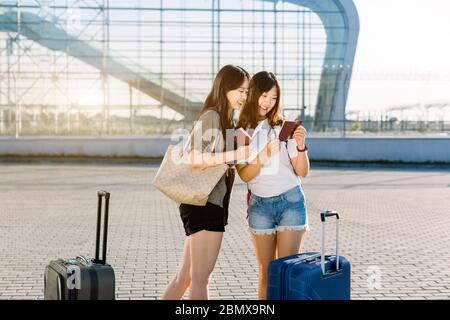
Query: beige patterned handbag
[184,184]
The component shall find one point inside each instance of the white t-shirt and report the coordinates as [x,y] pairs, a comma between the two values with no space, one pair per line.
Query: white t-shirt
[277,175]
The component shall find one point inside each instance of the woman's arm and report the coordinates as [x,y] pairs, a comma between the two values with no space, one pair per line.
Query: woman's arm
[204,137]
[300,163]
[248,171]
[198,159]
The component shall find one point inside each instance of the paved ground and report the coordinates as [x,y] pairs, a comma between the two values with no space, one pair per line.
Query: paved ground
[394,229]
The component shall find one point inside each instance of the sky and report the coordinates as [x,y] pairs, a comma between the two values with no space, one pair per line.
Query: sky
[403,54]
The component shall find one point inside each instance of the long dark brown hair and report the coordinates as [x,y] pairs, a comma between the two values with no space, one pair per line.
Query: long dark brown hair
[230,77]
[261,82]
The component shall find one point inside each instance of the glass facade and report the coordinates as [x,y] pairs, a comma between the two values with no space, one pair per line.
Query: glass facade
[135,67]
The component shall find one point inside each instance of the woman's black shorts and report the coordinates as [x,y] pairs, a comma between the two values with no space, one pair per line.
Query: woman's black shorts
[210,217]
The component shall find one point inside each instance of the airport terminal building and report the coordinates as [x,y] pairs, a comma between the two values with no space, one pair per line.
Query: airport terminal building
[139,68]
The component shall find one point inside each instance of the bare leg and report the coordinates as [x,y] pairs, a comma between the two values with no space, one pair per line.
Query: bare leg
[205,246]
[265,246]
[289,242]
[176,288]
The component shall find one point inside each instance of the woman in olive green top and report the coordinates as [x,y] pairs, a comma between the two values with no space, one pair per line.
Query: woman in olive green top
[204,225]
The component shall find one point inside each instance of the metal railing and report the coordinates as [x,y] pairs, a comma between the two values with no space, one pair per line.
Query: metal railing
[380,127]
[50,123]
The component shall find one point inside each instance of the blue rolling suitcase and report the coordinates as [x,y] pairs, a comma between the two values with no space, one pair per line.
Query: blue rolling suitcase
[311,276]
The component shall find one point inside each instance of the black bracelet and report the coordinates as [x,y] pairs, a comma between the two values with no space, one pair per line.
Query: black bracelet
[302,150]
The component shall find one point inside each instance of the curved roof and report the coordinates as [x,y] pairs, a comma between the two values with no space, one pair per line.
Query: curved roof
[341,23]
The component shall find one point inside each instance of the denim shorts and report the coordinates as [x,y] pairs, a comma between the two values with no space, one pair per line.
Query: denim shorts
[267,215]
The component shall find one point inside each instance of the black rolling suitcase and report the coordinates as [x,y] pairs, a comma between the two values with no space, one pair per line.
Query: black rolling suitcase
[83,278]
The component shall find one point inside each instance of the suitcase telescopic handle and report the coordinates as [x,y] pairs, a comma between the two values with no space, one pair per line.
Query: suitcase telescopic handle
[103,193]
[106,195]
[323,217]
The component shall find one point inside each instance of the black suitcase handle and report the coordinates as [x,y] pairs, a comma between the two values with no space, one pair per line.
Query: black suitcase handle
[327,214]
[323,217]
[106,195]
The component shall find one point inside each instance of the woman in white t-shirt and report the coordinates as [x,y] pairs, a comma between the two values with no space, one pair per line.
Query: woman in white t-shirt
[277,214]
